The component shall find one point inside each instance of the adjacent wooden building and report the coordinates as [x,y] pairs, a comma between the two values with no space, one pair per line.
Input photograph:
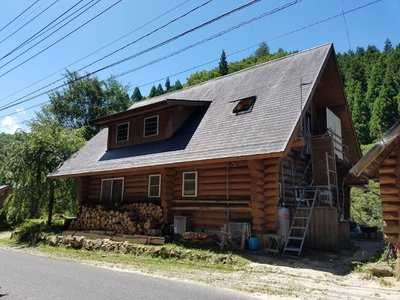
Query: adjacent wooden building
[233,149]
[382,163]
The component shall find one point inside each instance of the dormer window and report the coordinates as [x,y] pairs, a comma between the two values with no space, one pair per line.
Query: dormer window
[151,125]
[122,132]
[244,105]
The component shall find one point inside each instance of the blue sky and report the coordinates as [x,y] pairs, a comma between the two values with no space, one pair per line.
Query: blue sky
[371,25]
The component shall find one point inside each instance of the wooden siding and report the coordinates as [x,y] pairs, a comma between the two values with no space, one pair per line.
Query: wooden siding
[389,180]
[325,232]
[170,120]
[242,191]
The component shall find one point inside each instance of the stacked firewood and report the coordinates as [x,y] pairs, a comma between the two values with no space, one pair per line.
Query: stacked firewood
[138,218]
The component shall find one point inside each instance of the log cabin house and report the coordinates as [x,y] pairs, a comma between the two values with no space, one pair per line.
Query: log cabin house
[382,163]
[4,192]
[237,148]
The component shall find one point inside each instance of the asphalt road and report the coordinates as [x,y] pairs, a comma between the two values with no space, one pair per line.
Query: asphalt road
[25,276]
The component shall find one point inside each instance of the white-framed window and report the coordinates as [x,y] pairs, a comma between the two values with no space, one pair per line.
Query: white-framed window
[151,126]
[154,189]
[112,191]
[189,184]
[122,132]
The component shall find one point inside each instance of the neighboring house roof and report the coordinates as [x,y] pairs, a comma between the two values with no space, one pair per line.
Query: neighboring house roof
[369,164]
[281,97]
[3,187]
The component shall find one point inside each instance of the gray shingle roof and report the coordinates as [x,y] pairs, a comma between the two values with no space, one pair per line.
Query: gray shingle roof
[220,134]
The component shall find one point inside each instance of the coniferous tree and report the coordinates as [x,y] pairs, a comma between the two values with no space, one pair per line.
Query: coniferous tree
[178,85]
[360,113]
[167,85]
[388,46]
[153,92]
[262,50]
[136,95]
[223,64]
[160,90]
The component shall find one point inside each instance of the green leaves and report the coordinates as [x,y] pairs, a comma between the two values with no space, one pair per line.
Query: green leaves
[27,161]
[372,81]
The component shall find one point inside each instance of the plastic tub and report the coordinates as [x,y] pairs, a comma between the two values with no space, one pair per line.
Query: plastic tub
[254,243]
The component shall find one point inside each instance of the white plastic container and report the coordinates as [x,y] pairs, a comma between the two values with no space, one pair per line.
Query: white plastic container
[284,223]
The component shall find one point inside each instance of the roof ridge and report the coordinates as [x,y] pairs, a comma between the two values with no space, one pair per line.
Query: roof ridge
[235,73]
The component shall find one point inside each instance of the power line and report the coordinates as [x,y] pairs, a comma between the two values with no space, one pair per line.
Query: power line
[305,27]
[29,21]
[346,26]
[95,51]
[18,16]
[282,7]
[162,43]
[49,35]
[42,30]
[60,39]
[133,42]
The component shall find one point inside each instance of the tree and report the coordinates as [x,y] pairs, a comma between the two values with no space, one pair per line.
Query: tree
[160,90]
[360,113]
[178,85]
[388,46]
[136,95]
[29,159]
[167,85]
[153,92]
[223,64]
[262,50]
[83,101]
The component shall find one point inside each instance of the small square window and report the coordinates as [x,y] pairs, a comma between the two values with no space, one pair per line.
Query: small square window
[244,105]
[150,126]
[154,190]
[122,132]
[189,184]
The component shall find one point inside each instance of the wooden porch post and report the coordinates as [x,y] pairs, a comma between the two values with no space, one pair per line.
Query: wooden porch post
[256,168]
[79,190]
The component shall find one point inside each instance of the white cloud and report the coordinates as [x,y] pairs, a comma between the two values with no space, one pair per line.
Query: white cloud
[9,124]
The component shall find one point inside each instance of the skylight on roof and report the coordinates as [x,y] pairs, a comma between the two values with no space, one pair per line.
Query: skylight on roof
[244,105]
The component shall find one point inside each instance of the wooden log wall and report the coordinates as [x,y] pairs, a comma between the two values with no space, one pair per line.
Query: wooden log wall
[223,194]
[389,180]
[242,191]
[271,193]
[292,173]
[135,187]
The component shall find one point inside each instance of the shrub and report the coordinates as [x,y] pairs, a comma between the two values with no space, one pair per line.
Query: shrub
[33,231]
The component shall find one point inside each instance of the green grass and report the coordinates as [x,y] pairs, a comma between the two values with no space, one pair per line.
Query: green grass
[144,261]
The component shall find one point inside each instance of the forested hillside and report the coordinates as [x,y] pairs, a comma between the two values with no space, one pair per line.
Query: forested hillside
[372,83]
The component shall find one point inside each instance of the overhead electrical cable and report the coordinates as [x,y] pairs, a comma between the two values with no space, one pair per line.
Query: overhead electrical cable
[60,39]
[49,35]
[29,21]
[133,42]
[44,29]
[19,15]
[96,50]
[211,61]
[282,7]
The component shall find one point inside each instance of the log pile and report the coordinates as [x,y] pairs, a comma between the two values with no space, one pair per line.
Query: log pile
[138,218]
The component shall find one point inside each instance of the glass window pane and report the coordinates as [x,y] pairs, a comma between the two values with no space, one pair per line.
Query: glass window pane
[154,191]
[190,176]
[122,132]
[117,191]
[151,126]
[106,192]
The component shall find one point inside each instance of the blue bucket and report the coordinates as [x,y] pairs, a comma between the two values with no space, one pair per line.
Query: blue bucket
[254,243]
